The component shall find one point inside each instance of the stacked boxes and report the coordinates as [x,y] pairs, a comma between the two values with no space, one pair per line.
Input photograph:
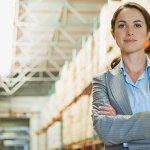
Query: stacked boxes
[89,60]
[95,52]
[54,136]
[67,126]
[42,141]
[69,86]
[80,71]
[77,123]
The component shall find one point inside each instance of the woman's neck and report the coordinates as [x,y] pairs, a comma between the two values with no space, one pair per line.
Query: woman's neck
[134,62]
[134,65]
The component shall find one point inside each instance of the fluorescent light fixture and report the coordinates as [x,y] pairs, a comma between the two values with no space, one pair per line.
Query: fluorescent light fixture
[7,13]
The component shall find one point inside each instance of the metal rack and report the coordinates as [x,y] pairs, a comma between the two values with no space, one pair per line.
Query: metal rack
[87,144]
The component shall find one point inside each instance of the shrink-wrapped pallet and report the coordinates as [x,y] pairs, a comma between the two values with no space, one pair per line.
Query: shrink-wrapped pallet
[54,136]
[64,69]
[89,60]
[148,6]
[67,126]
[96,52]
[61,92]
[71,83]
[53,107]
[76,121]
[42,141]
[80,119]
[77,124]
[44,117]
[83,101]
[80,72]
[49,111]
[90,129]
[61,88]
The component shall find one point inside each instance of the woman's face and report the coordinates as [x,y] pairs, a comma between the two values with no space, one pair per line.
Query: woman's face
[130,31]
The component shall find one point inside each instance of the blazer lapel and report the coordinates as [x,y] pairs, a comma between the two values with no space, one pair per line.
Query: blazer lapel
[117,86]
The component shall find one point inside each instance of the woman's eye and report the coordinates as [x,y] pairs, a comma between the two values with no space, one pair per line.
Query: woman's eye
[138,25]
[121,26]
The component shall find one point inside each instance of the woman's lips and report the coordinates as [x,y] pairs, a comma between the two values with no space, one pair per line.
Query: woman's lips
[130,40]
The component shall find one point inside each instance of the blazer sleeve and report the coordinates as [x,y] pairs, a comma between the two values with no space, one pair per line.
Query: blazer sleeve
[117,129]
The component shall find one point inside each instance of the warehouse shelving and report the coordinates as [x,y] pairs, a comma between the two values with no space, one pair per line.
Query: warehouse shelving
[77,84]
[92,143]
[58,117]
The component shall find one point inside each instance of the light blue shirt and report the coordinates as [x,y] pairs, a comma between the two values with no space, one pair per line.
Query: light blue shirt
[138,92]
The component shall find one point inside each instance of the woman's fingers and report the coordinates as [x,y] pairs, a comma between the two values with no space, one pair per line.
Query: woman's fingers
[107,110]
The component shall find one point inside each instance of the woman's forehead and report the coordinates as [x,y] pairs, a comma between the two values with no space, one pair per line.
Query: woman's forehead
[130,13]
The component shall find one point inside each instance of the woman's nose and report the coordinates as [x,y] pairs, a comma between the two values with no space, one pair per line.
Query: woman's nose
[130,31]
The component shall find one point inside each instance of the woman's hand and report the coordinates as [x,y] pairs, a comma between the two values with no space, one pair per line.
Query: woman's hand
[107,110]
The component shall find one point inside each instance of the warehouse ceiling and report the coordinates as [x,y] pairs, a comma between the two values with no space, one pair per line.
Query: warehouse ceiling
[47,34]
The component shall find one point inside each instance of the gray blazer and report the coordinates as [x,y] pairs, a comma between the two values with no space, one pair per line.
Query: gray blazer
[126,127]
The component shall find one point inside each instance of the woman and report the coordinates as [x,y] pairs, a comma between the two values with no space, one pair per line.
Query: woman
[121,96]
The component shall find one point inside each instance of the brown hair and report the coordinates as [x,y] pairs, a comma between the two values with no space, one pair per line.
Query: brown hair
[143,11]
[147,47]
[115,62]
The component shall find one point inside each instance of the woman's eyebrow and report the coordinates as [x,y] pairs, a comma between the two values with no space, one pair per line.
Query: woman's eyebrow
[138,21]
[122,21]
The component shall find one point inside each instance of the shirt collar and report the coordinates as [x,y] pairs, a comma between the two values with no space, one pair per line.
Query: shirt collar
[122,69]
